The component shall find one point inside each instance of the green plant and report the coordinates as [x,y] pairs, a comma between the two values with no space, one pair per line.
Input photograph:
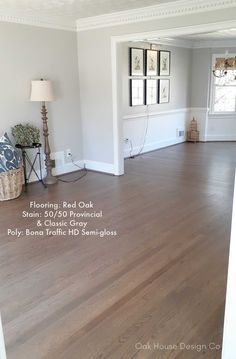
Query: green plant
[25,134]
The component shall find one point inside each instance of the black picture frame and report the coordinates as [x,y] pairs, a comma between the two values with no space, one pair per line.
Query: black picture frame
[141,101]
[149,99]
[151,62]
[136,54]
[164,62]
[163,98]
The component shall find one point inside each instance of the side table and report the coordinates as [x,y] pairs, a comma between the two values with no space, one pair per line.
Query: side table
[31,164]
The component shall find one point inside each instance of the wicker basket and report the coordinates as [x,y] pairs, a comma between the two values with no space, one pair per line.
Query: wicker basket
[11,184]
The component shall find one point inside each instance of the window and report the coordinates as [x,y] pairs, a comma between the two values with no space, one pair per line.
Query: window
[224,93]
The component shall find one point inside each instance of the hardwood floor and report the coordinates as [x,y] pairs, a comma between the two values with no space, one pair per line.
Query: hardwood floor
[161,280]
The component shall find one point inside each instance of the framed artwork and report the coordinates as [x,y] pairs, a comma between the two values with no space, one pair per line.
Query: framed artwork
[137,92]
[164,60]
[151,92]
[164,91]
[136,62]
[152,63]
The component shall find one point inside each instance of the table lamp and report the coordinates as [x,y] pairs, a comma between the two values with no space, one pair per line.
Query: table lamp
[41,91]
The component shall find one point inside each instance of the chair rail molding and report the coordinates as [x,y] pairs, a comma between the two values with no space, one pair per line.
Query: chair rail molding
[155,113]
[172,9]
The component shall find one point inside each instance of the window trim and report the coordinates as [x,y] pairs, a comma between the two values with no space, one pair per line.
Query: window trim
[212,89]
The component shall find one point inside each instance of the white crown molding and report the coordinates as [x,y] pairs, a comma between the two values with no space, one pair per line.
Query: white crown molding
[190,44]
[206,44]
[172,9]
[175,42]
[50,23]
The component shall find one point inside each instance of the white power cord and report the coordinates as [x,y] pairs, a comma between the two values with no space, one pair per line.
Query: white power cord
[145,134]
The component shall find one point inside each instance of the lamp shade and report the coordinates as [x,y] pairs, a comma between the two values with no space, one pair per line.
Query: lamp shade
[41,90]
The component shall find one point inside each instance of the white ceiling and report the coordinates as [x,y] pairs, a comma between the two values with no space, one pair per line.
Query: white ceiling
[72,9]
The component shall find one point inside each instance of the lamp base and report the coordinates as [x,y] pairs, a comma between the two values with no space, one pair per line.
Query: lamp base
[48,180]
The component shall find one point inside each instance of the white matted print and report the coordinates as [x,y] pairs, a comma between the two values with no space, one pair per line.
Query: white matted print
[164,63]
[136,92]
[152,62]
[151,92]
[136,62]
[164,91]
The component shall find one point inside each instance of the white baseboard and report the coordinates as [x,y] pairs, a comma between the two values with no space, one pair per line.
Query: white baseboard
[66,168]
[99,166]
[154,146]
[72,167]
[221,138]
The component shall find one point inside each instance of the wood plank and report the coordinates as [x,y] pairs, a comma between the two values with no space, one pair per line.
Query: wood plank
[161,281]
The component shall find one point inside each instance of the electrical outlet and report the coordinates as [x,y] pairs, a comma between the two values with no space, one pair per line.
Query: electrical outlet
[68,153]
[126,140]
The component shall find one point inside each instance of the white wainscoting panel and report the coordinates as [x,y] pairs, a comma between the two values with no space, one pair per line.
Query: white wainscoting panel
[221,128]
[163,130]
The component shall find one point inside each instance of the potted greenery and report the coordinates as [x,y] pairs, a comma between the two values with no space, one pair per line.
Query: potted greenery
[26,135]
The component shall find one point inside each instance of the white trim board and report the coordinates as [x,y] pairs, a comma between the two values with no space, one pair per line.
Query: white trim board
[172,9]
[155,113]
[154,146]
[2,343]
[220,138]
[100,166]
[68,167]
[60,170]
[176,31]
[166,112]
[229,334]
[195,44]
[189,44]
[72,167]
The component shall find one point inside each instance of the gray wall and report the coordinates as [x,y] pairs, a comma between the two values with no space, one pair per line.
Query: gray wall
[201,74]
[94,47]
[96,95]
[219,127]
[201,66]
[181,64]
[28,53]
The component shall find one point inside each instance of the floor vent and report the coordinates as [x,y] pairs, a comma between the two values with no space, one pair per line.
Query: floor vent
[180,133]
